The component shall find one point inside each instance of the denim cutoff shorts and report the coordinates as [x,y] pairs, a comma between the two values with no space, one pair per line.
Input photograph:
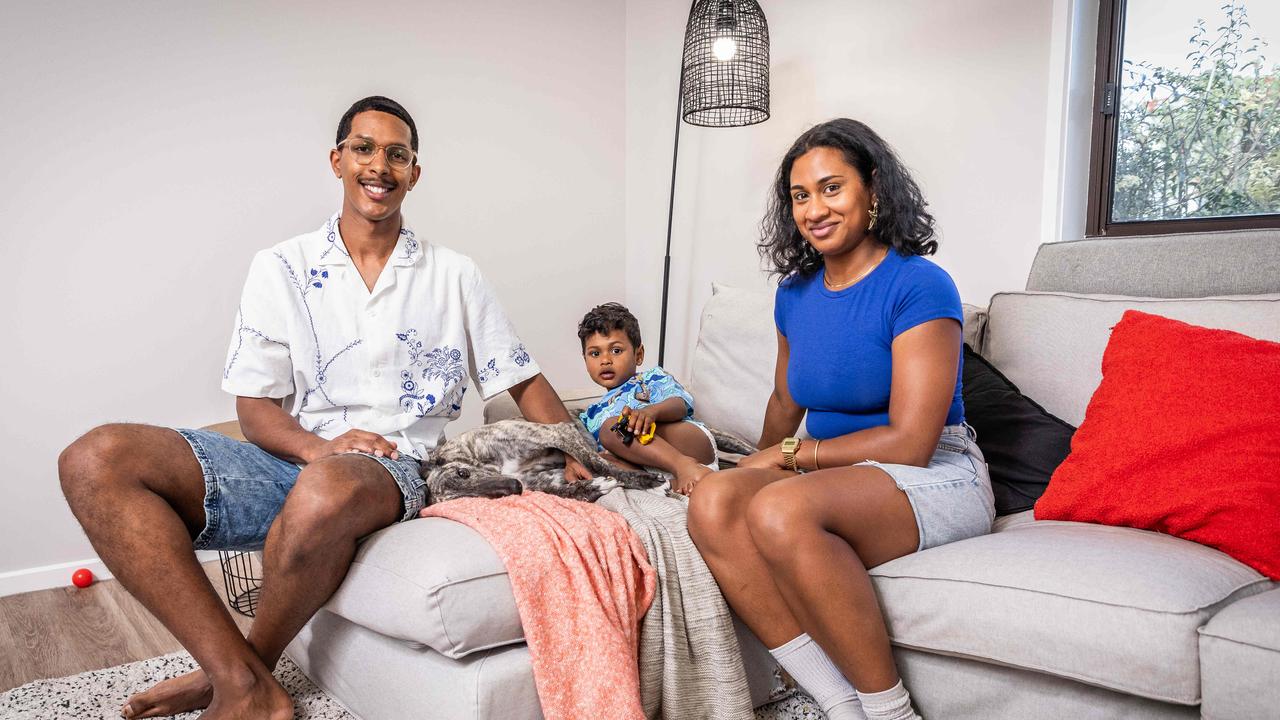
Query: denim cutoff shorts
[951,497]
[245,488]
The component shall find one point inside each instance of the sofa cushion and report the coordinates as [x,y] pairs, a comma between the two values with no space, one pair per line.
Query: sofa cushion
[1021,443]
[430,581]
[1205,464]
[733,361]
[1113,607]
[1050,344]
[1240,659]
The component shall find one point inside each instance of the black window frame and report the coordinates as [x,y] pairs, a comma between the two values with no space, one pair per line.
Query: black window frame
[1102,147]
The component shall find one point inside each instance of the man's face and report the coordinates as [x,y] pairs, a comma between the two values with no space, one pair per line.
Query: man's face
[376,190]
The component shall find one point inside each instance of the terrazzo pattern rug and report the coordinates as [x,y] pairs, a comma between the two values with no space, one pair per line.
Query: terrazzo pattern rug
[101,693]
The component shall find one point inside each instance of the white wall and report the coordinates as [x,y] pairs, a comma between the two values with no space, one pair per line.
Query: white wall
[152,147]
[959,89]
[128,218]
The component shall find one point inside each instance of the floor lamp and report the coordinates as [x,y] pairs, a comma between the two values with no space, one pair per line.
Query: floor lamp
[724,82]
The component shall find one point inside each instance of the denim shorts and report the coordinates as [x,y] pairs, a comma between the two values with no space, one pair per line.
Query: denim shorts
[951,497]
[245,488]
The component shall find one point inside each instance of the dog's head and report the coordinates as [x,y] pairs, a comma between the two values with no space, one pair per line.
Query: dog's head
[450,479]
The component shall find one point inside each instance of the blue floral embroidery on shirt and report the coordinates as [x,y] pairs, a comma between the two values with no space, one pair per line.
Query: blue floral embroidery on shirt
[241,329]
[321,364]
[443,364]
[331,234]
[520,356]
[413,399]
[490,370]
[410,243]
[317,278]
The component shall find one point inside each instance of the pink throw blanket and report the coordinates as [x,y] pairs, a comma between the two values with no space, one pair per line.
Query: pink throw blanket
[582,583]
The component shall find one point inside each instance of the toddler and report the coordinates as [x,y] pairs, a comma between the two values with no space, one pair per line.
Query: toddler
[650,402]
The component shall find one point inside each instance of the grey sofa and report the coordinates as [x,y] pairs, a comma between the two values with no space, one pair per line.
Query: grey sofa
[1036,620]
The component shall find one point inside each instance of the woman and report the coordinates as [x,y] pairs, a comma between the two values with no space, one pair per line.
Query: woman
[869,338]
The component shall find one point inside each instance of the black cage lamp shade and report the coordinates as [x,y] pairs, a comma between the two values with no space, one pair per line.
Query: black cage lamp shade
[724,82]
[725,70]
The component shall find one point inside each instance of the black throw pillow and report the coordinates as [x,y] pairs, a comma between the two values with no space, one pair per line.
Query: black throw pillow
[1023,443]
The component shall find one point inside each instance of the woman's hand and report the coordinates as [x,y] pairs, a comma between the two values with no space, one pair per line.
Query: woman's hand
[769,458]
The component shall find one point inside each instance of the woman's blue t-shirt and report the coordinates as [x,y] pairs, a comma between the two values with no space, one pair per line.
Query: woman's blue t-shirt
[841,361]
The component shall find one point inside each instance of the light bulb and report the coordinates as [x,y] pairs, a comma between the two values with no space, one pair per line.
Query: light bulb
[724,49]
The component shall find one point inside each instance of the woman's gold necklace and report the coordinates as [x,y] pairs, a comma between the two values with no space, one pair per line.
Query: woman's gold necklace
[867,271]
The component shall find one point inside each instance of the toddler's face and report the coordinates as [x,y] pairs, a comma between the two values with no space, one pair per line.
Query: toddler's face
[611,359]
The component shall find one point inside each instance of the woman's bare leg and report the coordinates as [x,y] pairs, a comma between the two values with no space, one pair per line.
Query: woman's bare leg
[818,535]
[718,526]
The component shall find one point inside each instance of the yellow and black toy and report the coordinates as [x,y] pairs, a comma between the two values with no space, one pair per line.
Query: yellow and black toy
[620,427]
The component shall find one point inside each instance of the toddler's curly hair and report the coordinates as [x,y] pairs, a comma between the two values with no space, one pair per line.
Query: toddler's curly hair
[604,319]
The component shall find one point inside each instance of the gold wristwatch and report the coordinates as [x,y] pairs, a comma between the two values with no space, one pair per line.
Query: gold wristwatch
[789,447]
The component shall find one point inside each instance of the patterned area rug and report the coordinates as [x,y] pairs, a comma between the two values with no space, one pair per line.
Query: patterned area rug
[100,693]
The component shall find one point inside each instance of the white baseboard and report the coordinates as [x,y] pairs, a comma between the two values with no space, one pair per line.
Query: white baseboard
[59,575]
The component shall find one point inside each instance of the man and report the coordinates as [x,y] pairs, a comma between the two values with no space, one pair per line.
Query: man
[351,352]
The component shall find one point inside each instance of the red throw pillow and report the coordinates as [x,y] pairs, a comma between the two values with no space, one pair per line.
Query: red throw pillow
[1182,437]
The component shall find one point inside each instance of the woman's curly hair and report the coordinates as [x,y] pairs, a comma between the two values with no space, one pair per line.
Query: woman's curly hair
[902,223]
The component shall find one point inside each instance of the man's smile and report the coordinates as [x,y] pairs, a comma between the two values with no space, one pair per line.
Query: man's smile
[377,189]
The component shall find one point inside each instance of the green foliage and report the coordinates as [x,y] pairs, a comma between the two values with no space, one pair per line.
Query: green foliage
[1204,142]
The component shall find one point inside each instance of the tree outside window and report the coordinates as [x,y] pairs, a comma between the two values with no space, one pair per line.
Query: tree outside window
[1193,132]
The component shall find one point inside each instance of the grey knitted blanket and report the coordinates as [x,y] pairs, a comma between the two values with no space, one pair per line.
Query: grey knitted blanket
[691,667]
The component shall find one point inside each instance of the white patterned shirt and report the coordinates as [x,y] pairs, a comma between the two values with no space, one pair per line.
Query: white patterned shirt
[395,361]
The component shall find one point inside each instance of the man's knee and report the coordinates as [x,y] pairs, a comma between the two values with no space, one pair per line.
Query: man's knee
[84,467]
[339,496]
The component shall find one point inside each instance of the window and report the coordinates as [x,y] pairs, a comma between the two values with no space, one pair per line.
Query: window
[1186,131]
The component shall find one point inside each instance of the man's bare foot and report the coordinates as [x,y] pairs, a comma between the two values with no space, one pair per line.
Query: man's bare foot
[170,697]
[262,698]
[689,475]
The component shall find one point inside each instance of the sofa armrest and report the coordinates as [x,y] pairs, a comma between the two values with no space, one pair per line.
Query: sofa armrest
[503,407]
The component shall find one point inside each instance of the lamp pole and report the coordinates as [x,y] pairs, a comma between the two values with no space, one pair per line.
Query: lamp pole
[671,204]
[726,53]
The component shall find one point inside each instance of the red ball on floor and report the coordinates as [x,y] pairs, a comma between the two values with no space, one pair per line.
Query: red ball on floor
[82,578]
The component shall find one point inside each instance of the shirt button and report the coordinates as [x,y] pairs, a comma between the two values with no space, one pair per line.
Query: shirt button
[377,373]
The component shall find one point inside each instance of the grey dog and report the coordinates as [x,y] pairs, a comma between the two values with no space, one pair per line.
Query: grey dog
[509,456]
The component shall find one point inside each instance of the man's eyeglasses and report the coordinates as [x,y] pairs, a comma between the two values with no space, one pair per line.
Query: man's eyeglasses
[364,150]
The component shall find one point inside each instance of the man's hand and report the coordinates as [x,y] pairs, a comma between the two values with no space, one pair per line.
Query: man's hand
[355,441]
[769,458]
[574,471]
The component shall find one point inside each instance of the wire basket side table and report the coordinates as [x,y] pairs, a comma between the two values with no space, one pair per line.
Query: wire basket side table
[242,578]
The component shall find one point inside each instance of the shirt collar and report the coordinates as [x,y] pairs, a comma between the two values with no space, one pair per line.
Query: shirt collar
[334,251]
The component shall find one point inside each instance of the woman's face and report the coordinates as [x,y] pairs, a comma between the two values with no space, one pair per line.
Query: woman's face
[829,201]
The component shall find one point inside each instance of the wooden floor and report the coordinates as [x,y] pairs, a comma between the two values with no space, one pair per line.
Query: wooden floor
[64,631]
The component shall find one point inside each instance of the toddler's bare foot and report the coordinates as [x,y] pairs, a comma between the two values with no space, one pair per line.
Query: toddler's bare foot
[689,475]
[170,697]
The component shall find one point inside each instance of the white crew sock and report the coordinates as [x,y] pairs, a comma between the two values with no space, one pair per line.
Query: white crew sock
[891,704]
[810,666]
